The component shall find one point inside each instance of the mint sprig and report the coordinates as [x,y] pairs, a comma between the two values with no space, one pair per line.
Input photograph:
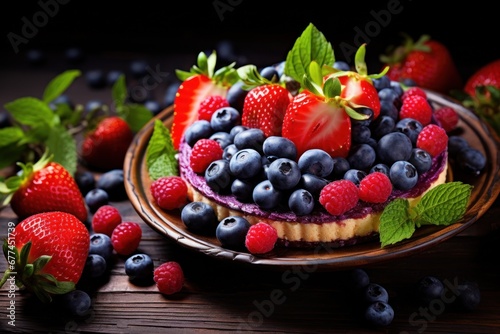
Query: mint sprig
[160,153]
[443,205]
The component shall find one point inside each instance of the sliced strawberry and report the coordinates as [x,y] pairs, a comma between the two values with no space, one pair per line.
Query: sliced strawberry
[311,122]
[187,101]
[264,108]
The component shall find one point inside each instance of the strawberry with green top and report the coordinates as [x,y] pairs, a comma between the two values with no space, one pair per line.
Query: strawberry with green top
[46,253]
[265,104]
[42,187]
[197,84]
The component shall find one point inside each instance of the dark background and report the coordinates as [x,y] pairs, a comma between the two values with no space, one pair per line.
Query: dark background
[261,31]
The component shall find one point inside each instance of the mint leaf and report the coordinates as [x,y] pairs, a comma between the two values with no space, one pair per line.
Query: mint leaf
[119,91]
[395,222]
[62,146]
[160,153]
[310,46]
[30,111]
[59,84]
[10,135]
[444,204]
[136,115]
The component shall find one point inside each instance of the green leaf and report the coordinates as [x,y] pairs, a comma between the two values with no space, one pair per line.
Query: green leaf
[160,153]
[136,115]
[310,46]
[10,135]
[332,87]
[30,111]
[395,222]
[40,262]
[119,91]
[444,204]
[62,145]
[59,84]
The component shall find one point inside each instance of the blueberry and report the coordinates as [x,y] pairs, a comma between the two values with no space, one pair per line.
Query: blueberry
[359,278]
[139,68]
[421,159]
[100,244]
[36,57]
[224,119]
[469,296]
[340,167]
[387,108]
[139,268]
[170,92]
[242,190]
[237,129]
[218,176]
[393,147]
[388,94]
[284,173]
[408,82]
[360,133]
[112,76]
[113,183]
[95,78]
[364,111]
[301,202]
[429,288]
[231,232]
[78,302]
[396,86]
[380,167]
[382,126]
[382,82]
[362,157]
[61,99]
[229,151]
[93,106]
[246,163]
[236,95]
[96,198]
[471,160]
[251,138]
[354,175]
[280,147]
[341,65]
[223,138]
[4,119]
[374,292]
[316,162]
[410,127]
[312,183]
[197,130]
[403,175]
[266,196]
[95,266]
[270,73]
[379,314]
[153,106]
[456,144]
[199,218]
[74,55]
[85,181]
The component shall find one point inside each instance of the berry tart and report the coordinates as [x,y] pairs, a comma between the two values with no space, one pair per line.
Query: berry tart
[313,147]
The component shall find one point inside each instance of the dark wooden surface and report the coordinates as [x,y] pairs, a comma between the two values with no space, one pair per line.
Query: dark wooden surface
[222,296]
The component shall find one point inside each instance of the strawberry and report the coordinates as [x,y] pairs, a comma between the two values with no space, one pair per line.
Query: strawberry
[265,104]
[105,146]
[482,94]
[426,61]
[199,83]
[47,253]
[42,187]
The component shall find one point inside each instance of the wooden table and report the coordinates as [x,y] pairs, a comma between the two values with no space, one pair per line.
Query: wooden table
[223,296]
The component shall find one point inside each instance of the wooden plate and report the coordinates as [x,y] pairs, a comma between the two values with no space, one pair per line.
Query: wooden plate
[486,189]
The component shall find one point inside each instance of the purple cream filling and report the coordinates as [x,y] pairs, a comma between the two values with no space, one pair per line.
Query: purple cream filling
[319,215]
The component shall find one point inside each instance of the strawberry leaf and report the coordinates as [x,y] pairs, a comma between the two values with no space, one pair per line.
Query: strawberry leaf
[59,84]
[10,135]
[119,91]
[30,111]
[62,145]
[332,87]
[40,262]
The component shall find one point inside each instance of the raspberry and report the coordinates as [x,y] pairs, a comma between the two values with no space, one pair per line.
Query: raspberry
[209,105]
[261,238]
[433,139]
[105,219]
[169,192]
[375,188]
[169,277]
[204,152]
[447,117]
[339,196]
[414,91]
[126,238]
[416,107]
